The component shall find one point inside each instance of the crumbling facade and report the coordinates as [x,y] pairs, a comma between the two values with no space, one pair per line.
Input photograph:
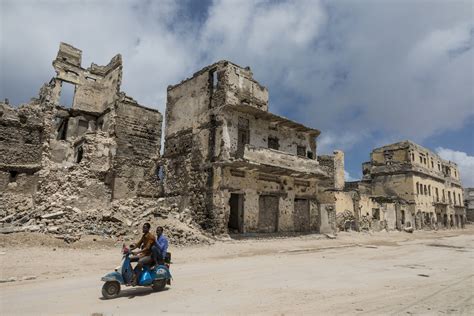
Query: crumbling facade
[408,187]
[469,204]
[101,147]
[234,164]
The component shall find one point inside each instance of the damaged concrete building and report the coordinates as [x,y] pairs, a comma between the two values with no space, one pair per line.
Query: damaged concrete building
[469,203]
[99,147]
[405,185]
[229,165]
[237,166]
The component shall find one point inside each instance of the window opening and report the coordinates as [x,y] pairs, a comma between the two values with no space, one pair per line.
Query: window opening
[273,143]
[62,129]
[159,172]
[376,214]
[301,151]
[13,176]
[214,79]
[79,154]
[67,94]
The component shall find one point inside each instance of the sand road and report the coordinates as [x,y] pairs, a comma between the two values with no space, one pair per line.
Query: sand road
[425,273]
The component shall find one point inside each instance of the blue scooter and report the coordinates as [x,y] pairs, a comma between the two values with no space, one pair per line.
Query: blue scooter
[157,276]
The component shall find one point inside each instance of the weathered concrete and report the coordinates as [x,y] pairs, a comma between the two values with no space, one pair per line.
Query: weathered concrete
[103,148]
[230,160]
[406,185]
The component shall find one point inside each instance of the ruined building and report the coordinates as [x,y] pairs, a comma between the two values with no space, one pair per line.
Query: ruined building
[237,166]
[469,203]
[93,165]
[405,185]
[100,147]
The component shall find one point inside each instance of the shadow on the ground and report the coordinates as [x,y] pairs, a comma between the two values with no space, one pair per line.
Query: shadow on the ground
[133,292]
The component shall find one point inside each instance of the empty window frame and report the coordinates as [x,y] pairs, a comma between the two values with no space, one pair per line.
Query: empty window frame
[66,98]
[62,129]
[376,214]
[273,143]
[79,154]
[13,176]
[301,151]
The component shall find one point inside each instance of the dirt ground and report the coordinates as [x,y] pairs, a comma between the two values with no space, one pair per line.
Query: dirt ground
[385,273]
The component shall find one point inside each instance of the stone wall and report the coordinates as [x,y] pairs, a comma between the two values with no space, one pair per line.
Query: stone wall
[138,138]
[21,138]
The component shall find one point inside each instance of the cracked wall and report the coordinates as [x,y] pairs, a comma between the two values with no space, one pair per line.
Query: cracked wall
[105,146]
[224,150]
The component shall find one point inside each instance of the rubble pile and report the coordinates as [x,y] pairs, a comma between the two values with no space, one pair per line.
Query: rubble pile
[123,218]
[345,221]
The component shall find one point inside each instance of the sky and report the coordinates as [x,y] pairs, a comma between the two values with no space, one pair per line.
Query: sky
[366,73]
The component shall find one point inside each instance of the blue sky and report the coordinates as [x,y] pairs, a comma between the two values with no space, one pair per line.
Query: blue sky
[366,73]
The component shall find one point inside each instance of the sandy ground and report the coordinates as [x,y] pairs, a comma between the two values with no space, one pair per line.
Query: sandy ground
[425,273]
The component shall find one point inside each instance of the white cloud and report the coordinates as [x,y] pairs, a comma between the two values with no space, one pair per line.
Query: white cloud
[353,69]
[464,162]
[330,141]
[154,56]
[348,177]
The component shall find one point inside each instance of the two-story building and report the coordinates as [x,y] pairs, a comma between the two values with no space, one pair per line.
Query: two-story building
[237,166]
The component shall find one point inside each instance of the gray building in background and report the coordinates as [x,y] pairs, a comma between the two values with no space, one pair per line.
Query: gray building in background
[469,203]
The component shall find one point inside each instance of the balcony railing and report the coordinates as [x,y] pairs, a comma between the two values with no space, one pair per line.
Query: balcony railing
[282,160]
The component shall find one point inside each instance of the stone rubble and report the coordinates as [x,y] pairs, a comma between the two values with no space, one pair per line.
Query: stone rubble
[123,218]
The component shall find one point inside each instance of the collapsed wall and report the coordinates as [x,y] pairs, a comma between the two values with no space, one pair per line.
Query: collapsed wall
[87,166]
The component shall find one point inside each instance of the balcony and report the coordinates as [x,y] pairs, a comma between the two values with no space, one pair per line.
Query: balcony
[278,162]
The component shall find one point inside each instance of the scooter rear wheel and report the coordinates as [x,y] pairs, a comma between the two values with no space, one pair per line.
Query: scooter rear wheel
[158,285]
[110,289]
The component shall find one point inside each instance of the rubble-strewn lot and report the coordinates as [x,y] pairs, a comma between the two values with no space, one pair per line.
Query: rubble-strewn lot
[123,219]
[424,273]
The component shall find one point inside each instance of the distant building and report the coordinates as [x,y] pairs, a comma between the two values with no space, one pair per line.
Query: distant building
[406,185]
[469,203]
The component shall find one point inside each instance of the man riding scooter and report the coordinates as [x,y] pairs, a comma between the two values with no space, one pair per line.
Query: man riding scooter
[144,255]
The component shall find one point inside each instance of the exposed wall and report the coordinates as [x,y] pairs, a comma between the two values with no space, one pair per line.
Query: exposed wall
[21,138]
[253,185]
[95,87]
[105,147]
[259,132]
[138,137]
[201,145]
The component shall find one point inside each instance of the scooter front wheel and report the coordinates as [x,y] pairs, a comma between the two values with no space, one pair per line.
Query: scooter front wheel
[110,289]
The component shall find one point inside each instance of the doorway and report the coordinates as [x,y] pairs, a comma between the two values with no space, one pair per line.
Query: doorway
[236,216]
[301,216]
[268,213]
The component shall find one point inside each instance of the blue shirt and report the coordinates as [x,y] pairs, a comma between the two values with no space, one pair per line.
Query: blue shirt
[162,244]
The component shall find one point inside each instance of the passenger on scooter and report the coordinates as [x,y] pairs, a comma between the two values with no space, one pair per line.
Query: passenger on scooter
[143,256]
[160,247]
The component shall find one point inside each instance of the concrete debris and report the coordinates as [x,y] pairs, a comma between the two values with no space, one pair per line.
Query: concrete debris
[53,215]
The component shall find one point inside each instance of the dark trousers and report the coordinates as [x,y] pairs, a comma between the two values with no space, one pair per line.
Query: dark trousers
[157,256]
